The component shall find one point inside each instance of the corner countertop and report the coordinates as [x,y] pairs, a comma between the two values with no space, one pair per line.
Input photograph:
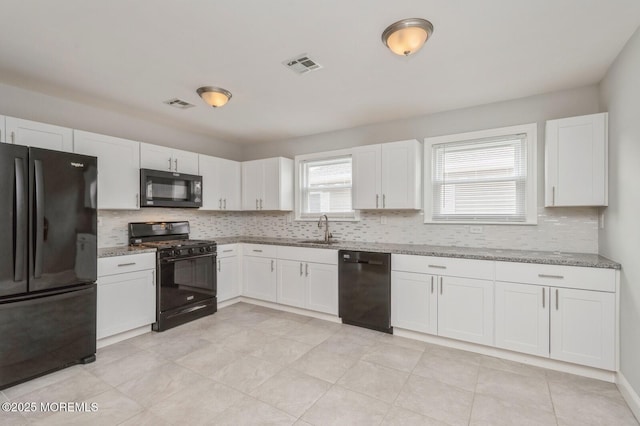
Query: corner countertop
[123,251]
[523,256]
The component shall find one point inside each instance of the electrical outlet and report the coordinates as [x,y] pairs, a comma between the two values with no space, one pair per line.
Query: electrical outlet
[475,229]
[383,220]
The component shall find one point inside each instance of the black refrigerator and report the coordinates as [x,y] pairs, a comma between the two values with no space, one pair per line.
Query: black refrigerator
[48,261]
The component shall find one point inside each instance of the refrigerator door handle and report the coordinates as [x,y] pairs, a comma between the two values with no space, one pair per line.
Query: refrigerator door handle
[19,221]
[39,219]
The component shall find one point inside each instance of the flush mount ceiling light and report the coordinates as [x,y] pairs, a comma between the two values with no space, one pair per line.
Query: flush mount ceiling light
[406,37]
[214,96]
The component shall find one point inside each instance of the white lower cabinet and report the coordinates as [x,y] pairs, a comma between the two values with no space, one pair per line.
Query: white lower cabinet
[228,272]
[414,302]
[465,309]
[126,297]
[308,285]
[259,272]
[583,327]
[522,318]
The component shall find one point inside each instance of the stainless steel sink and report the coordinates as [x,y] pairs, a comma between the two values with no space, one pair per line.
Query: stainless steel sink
[317,242]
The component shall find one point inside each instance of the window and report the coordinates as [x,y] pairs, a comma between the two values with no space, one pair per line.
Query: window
[324,183]
[482,177]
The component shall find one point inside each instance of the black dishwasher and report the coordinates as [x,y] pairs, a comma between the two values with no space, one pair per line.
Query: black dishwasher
[365,289]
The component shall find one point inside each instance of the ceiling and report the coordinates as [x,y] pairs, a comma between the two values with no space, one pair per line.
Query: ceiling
[130,56]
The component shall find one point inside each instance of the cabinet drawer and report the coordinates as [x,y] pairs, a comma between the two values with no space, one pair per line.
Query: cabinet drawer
[301,254]
[259,250]
[447,266]
[129,263]
[227,250]
[578,277]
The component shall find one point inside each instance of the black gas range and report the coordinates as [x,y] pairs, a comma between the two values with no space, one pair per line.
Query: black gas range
[186,273]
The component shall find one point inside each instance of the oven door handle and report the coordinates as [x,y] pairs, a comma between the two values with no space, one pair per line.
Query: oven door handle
[211,255]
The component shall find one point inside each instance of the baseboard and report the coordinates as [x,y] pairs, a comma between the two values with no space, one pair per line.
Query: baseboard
[629,395]
[285,308]
[106,341]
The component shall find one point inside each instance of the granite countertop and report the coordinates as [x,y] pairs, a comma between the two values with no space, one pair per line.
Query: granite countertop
[524,256]
[123,250]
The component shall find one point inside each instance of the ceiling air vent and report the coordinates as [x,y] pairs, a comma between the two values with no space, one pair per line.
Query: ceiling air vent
[302,64]
[178,103]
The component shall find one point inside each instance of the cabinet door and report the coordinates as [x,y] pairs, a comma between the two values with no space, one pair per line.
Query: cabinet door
[252,184]
[211,183]
[2,132]
[576,161]
[401,179]
[291,283]
[185,162]
[270,199]
[414,302]
[125,302]
[322,287]
[259,275]
[38,135]
[156,157]
[522,318]
[366,177]
[583,327]
[118,168]
[227,278]
[465,309]
[229,175]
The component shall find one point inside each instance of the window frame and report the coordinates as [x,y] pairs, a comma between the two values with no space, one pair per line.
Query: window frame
[299,161]
[531,204]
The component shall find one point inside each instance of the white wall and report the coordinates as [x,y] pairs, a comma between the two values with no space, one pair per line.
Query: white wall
[620,238]
[32,105]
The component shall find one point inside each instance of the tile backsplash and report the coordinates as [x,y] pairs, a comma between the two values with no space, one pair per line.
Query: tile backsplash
[558,229]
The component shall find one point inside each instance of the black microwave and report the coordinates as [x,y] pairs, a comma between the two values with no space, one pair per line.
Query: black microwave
[169,189]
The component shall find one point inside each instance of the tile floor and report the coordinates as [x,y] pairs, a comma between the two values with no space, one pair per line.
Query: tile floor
[252,365]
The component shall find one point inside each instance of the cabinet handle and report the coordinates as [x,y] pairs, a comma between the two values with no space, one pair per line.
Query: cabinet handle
[220,203]
[257,251]
[218,265]
[437,266]
[377,197]
[559,277]
[260,203]
[169,164]
[225,204]
[306,269]
[384,201]
[153,280]
[13,137]
[432,285]
[137,200]
[256,204]
[176,161]
[553,195]
[556,299]
[272,266]
[227,251]
[441,285]
[300,268]
[120,265]
[543,298]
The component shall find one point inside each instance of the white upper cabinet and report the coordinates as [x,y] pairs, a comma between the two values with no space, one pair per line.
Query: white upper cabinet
[2,132]
[220,183]
[157,157]
[576,172]
[118,168]
[267,184]
[38,135]
[388,176]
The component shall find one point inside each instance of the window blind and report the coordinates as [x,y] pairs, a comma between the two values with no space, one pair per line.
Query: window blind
[326,187]
[482,179]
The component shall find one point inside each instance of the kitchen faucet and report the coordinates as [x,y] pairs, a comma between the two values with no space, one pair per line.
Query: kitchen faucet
[327,234]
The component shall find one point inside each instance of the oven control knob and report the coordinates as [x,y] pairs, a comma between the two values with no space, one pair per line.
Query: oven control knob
[208,249]
[176,252]
[201,249]
[190,251]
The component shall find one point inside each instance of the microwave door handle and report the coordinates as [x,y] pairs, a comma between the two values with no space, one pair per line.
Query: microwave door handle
[39,219]
[19,228]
